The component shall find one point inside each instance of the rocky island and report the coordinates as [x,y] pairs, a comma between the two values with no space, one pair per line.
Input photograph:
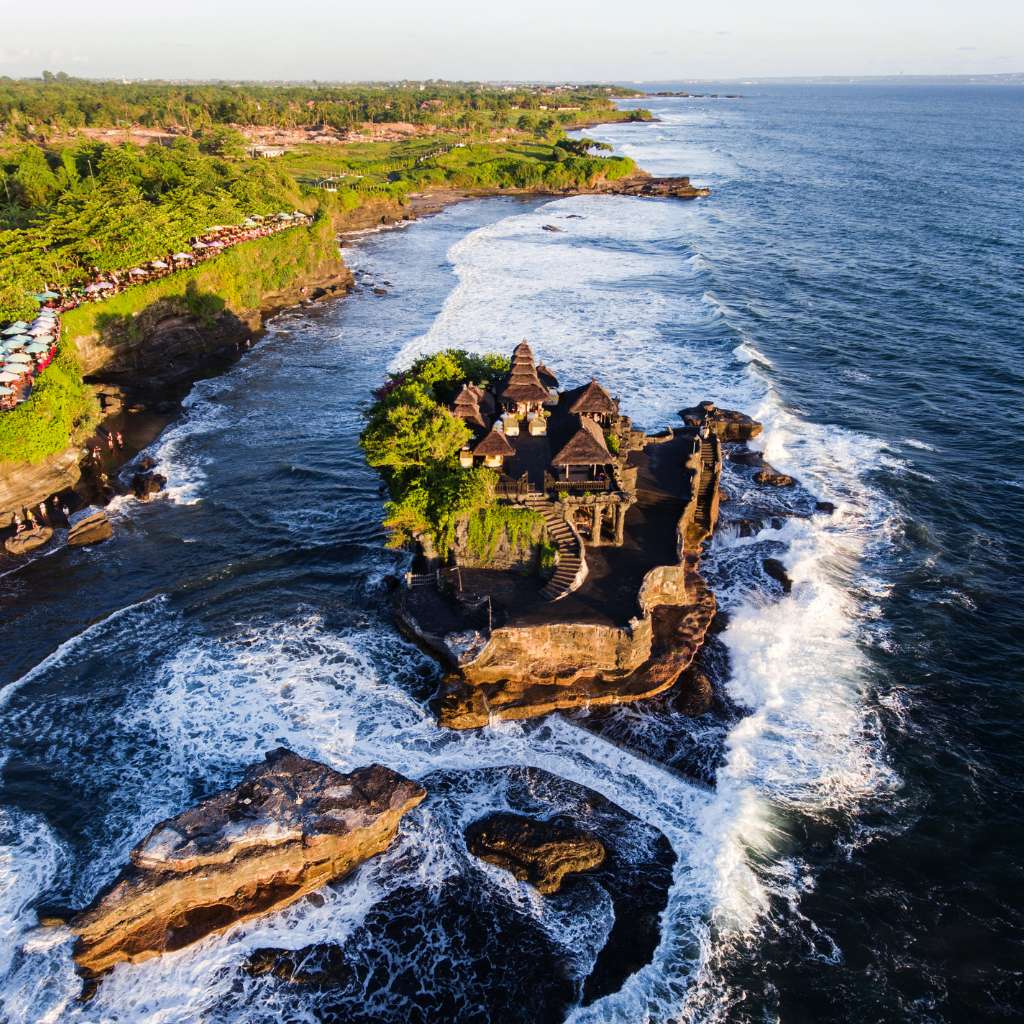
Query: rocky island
[289,827]
[557,547]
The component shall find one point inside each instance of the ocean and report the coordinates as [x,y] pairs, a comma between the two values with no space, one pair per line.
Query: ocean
[845,824]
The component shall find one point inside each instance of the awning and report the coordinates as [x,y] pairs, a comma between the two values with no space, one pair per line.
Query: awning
[6,376]
[4,390]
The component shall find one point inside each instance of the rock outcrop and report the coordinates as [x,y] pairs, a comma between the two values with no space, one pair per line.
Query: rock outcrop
[729,424]
[535,851]
[89,526]
[24,484]
[767,476]
[662,188]
[145,485]
[28,540]
[290,826]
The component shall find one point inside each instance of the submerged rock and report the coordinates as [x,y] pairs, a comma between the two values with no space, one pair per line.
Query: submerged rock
[89,526]
[777,571]
[290,826]
[145,485]
[535,851]
[28,540]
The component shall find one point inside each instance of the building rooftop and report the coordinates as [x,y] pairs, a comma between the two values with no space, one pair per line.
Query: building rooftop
[594,400]
[587,447]
[495,443]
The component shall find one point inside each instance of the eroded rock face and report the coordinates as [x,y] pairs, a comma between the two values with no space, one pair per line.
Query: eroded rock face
[90,526]
[535,851]
[290,826]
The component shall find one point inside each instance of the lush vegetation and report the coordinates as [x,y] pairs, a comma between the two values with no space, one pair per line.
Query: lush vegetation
[238,279]
[58,103]
[87,206]
[414,441]
[487,526]
[60,407]
[72,204]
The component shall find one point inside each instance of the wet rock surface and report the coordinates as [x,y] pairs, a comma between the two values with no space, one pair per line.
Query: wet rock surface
[145,485]
[777,571]
[535,851]
[90,526]
[767,476]
[289,827]
[462,949]
[728,424]
[28,540]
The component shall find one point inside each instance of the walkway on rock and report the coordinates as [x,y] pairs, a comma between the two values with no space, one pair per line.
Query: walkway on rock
[570,553]
[706,491]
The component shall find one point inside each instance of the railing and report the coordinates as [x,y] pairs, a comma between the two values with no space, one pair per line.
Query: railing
[508,487]
[554,483]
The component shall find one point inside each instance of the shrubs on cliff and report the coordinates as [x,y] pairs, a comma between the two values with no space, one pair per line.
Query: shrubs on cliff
[413,440]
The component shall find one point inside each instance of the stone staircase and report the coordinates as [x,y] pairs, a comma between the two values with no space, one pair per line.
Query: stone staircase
[706,488]
[570,551]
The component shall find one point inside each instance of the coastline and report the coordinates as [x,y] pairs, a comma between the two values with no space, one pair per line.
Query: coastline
[140,411]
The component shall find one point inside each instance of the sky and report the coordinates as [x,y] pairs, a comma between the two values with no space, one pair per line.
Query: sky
[667,40]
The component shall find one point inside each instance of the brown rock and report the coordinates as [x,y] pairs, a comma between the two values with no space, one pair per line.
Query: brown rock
[769,477]
[29,540]
[535,851]
[290,826]
[145,485]
[728,424]
[89,526]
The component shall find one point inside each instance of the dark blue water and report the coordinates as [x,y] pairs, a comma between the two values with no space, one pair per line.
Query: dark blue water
[846,821]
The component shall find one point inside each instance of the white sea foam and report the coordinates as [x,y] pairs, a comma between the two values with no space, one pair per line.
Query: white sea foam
[591,300]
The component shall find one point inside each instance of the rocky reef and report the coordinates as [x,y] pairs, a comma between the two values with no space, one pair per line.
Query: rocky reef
[457,945]
[535,851]
[289,827]
[647,187]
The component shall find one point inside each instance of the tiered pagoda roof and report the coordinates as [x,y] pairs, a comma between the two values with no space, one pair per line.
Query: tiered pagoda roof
[547,378]
[587,447]
[523,384]
[467,407]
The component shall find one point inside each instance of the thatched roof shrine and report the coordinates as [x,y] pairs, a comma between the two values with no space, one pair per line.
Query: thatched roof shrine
[587,447]
[593,400]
